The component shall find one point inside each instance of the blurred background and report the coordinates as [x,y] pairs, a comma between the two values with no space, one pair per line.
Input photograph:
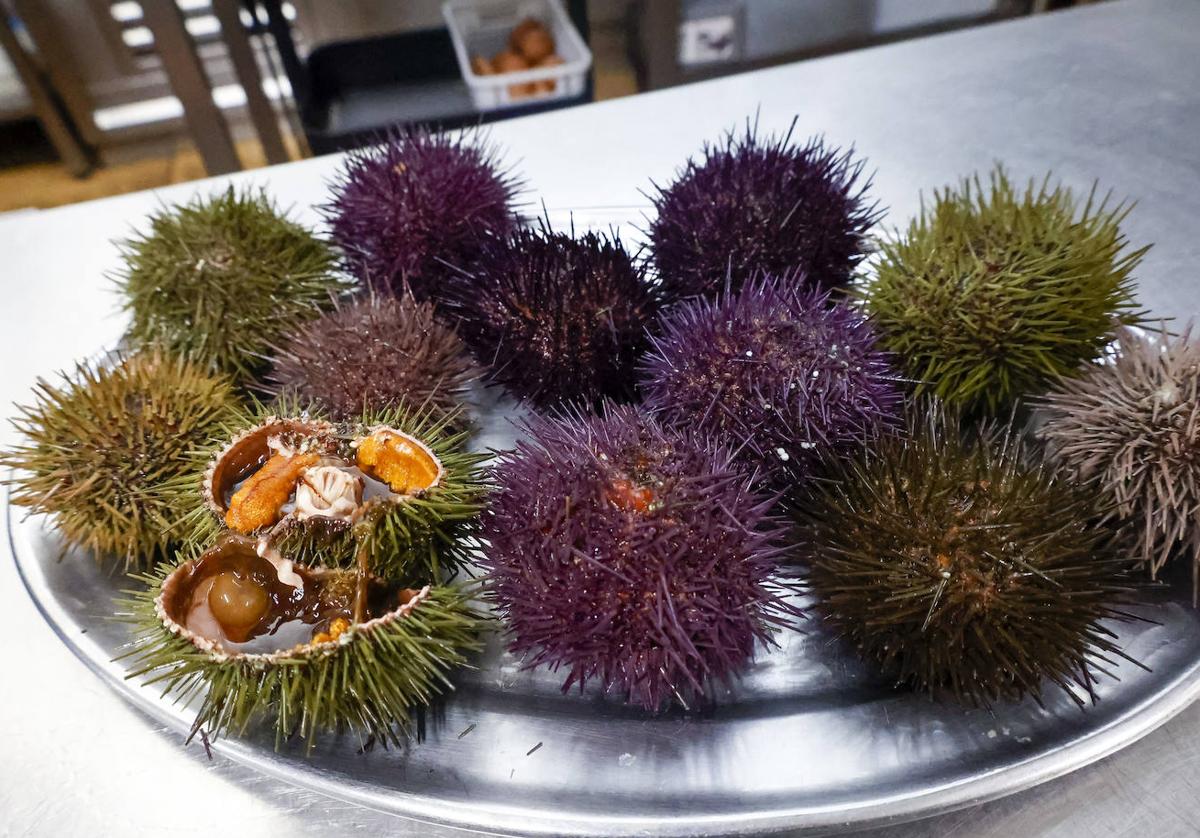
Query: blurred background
[100,97]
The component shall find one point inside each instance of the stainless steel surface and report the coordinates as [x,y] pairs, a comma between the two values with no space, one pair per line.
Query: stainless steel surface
[1108,91]
[810,739]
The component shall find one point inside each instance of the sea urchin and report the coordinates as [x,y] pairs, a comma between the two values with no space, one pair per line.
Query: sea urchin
[100,449]
[992,294]
[1130,428]
[559,320]
[408,211]
[756,204]
[775,372]
[633,555]
[959,568]
[371,354]
[220,279]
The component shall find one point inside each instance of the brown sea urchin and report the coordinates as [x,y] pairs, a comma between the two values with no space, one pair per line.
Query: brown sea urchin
[371,354]
[959,568]
[1130,429]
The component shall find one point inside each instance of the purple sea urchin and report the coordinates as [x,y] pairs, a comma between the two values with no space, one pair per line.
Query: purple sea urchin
[773,371]
[371,354]
[406,210]
[633,555]
[754,203]
[1130,429]
[560,320]
[959,567]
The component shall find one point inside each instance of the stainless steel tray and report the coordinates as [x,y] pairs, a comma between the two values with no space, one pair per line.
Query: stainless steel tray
[809,740]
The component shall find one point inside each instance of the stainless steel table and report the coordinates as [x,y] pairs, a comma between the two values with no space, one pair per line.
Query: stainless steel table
[1109,91]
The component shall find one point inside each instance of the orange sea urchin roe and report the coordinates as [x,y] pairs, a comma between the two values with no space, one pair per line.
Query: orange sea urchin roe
[624,495]
[398,461]
[258,502]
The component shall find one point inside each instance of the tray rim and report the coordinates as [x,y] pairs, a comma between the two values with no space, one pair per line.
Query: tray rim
[506,820]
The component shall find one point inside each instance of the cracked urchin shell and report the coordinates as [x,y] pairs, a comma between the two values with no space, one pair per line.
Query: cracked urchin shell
[559,320]
[419,535]
[961,567]
[993,293]
[775,372]
[633,555]
[408,209]
[98,448]
[220,279]
[754,204]
[374,680]
[1130,429]
[371,354]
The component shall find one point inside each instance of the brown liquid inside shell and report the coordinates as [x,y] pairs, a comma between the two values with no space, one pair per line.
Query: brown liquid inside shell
[235,598]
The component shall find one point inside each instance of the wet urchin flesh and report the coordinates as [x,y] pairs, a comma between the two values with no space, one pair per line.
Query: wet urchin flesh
[752,203]
[371,354]
[994,292]
[221,278]
[774,371]
[99,447]
[1129,428]
[632,555]
[409,210]
[961,568]
[559,320]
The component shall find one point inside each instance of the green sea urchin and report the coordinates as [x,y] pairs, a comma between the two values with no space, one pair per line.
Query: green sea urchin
[99,447]
[372,354]
[761,204]
[1129,429]
[992,293]
[391,489]
[311,649]
[221,279]
[959,568]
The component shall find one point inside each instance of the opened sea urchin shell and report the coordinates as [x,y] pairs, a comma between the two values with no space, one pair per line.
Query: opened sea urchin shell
[392,490]
[271,637]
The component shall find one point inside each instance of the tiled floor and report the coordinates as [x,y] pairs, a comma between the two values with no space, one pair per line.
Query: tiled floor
[175,161]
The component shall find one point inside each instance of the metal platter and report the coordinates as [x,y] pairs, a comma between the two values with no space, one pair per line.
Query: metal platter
[809,740]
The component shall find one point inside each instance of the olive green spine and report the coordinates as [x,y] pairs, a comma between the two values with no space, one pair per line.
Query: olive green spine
[992,293]
[102,448]
[221,279]
[372,683]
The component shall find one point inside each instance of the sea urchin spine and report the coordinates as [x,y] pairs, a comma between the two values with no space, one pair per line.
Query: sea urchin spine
[761,204]
[632,555]
[948,560]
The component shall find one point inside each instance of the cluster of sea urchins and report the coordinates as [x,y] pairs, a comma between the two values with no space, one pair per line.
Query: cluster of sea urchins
[959,567]
[560,320]
[220,279]
[632,555]
[1129,429]
[755,204]
[374,353]
[101,450]
[994,293]
[410,211]
[775,371]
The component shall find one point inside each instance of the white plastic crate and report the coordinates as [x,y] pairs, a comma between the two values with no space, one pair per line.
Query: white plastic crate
[482,27]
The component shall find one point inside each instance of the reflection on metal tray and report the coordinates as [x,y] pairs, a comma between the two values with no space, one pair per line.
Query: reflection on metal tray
[809,739]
